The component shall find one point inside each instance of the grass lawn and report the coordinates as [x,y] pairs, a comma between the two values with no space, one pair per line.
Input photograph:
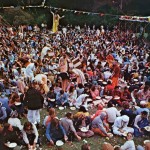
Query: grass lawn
[96,141]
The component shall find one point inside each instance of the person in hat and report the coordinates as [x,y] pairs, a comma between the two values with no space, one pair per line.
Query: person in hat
[121,125]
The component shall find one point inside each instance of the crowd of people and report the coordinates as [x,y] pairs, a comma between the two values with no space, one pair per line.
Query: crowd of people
[77,68]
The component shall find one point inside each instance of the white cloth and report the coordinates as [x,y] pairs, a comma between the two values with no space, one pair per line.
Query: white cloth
[128,145]
[35,131]
[112,114]
[15,122]
[34,116]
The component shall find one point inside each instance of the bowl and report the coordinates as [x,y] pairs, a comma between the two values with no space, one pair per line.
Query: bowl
[61,108]
[59,143]
[84,129]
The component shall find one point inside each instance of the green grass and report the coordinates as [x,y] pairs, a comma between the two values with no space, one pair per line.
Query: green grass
[96,141]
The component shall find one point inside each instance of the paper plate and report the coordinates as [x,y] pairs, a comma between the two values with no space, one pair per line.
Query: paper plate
[45,73]
[59,143]
[61,108]
[136,107]
[116,146]
[108,97]
[146,141]
[72,108]
[104,83]
[100,80]
[13,87]
[84,129]
[98,97]
[17,103]
[147,128]
[12,145]
[125,134]
[88,99]
[110,134]
[116,97]
[52,100]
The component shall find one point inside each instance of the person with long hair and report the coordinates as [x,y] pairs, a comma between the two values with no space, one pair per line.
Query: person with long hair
[56,19]
[30,135]
[55,132]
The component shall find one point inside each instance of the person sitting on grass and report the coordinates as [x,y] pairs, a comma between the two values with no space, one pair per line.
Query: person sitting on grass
[30,135]
[140,122]
[99,126]
[121,125]
[70,130]
[55,132]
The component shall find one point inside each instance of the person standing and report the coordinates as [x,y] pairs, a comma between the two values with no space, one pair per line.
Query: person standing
[56,19]
[34,100]
[115,74]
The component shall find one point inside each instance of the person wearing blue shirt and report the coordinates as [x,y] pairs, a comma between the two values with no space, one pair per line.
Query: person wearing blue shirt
[62,98]
[55,132]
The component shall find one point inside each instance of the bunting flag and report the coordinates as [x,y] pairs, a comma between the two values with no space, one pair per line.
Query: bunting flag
[127,18]
[135,18]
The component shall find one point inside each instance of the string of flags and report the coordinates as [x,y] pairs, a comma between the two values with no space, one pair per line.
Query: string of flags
[126,18]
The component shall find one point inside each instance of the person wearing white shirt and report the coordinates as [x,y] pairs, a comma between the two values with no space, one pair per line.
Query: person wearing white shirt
[112,113]
[129,144]
[30,135]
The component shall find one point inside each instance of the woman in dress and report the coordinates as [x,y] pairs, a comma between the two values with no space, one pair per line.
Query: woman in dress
[56,19]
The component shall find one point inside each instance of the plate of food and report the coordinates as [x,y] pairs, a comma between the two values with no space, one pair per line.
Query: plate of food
[146,141]
[61,108]
[12,145]
[72,108]
[59,143]
[147,128]
[84,129]
[116,97]
[52,100]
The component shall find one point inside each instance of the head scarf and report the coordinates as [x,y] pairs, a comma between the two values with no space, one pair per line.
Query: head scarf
[103,115]
[125,118]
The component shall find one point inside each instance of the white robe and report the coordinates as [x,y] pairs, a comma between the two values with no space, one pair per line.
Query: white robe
[119,124]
